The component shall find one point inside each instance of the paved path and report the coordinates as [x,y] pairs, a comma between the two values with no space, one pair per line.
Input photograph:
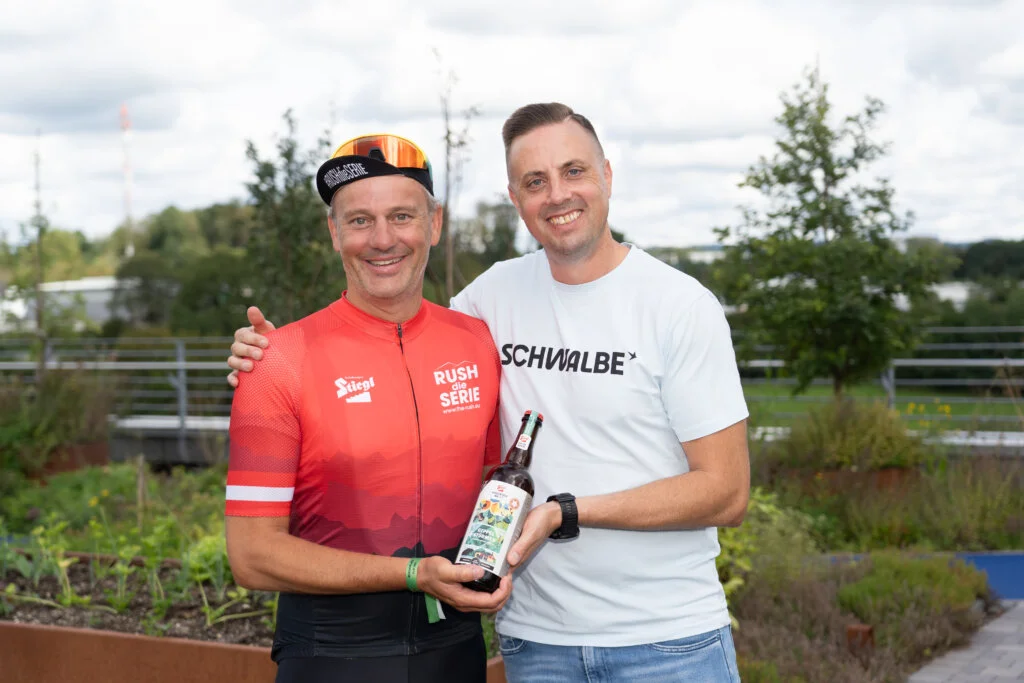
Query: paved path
[995,654]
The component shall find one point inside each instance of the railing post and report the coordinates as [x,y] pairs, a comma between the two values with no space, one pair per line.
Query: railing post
[889,384]
[181,385]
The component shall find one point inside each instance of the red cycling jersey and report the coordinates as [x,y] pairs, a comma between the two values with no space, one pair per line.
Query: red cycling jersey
[371,437]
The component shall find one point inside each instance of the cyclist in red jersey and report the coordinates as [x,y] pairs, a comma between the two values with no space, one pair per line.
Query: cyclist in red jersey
[357,448]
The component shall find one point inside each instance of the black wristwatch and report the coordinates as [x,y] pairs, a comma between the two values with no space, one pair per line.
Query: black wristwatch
[570,517]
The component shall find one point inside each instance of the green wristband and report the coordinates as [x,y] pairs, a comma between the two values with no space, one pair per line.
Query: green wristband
[410,575]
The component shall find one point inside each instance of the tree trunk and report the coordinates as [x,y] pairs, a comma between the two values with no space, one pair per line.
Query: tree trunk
[446,228]
[837,386]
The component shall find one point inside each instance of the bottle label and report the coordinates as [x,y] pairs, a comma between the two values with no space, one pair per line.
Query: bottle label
[524,442]
[495,525]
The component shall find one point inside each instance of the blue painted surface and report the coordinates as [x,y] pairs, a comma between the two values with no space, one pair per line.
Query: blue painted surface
[1005,571]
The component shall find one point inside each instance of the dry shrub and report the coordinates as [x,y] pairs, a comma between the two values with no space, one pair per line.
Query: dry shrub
[793,627]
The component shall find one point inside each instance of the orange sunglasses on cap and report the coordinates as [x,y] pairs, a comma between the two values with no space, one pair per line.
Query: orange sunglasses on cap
[369,156]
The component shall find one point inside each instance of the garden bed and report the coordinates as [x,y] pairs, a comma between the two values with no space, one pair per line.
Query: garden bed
[51,654]
[153,562]
[99,602]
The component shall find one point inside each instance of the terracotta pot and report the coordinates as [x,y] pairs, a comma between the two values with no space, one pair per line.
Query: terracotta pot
[32,653]
[495,670]
[860,638]
[51,654]
[844,481]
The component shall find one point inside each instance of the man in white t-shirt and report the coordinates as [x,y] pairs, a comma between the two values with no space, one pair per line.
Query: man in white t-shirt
[644,449]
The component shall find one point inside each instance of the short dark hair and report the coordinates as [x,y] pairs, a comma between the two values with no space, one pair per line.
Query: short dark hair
[533,116]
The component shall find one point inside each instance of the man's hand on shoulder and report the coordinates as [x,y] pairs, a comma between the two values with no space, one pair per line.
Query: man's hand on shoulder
[249,344]
[442,579]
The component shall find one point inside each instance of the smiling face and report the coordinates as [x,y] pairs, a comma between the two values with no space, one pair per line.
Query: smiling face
[560,182]
[383,228]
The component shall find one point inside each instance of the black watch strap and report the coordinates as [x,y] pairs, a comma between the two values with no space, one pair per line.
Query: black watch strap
[570,516]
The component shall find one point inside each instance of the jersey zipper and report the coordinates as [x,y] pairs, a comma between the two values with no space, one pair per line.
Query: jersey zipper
[419,479]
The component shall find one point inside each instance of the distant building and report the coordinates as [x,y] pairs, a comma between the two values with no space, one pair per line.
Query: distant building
[95,293]
[704,254]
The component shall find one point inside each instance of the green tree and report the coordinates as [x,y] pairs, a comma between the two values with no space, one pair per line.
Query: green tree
[993,259]
[213,295]
[946,258]
[290,246]
[146,287]
[226,224]
[175,235]
[816,272]
[491,234]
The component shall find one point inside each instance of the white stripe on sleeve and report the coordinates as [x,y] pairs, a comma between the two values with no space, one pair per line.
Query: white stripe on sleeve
[262,494]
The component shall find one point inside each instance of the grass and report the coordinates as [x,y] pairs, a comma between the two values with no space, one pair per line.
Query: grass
[922,408]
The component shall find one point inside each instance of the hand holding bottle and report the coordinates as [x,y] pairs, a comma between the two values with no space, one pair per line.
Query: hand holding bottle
[438,577]
[542,521]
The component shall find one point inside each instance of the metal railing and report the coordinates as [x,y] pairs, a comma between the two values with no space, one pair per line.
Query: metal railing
[975,373]
[185,377]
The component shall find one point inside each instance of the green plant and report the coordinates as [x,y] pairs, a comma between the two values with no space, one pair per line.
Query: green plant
[271,601]
[896,584]
[491,641]
[11,593]
[10,558]
[50,544]
[970,503]
[156,545]
[235,597]
[207,561]
[121,597]
[75,496]
[770,539]
[66,407]
[918,605]
[794,624]
[763,672]
[100,504]
[845,435]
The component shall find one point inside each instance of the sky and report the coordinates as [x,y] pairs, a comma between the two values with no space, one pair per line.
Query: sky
[683,96]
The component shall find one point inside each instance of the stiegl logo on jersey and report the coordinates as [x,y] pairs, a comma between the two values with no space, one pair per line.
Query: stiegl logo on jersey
[354,389]
[461,382]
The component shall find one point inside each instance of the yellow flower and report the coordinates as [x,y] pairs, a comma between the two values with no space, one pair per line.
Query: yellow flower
[104,493]
[94,501]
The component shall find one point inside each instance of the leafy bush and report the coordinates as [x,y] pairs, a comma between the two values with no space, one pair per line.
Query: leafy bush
[763,672]
[67,407]
[843,435]
[973,504]
[770,538]
[794,626]
[931,592]
[193,500]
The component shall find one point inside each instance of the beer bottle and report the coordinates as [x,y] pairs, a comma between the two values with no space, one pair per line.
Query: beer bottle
[501,509]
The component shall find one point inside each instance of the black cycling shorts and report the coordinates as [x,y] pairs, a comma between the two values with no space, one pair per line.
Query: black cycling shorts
[463,662]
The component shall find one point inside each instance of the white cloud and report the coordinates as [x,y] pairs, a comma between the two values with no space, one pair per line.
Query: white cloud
[682,94]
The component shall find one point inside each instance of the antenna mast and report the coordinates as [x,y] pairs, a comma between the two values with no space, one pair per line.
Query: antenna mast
[40,224]
[126,130]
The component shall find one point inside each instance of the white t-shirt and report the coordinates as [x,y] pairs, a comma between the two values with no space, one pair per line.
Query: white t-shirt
[623,369]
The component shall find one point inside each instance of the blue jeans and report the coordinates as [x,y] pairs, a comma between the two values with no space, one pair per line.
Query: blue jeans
[705,658]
